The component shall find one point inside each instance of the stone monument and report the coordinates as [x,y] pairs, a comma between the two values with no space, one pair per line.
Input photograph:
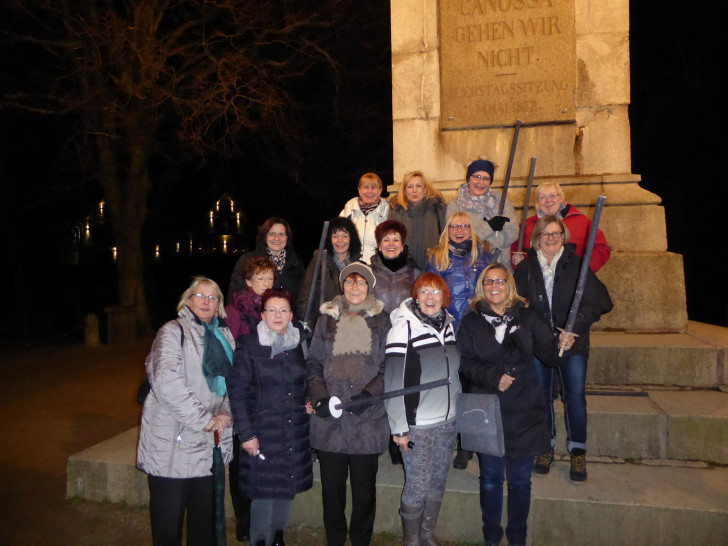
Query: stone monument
[463,72]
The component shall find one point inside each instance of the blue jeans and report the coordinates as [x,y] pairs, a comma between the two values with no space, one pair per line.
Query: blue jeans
[573,383]
[493,472]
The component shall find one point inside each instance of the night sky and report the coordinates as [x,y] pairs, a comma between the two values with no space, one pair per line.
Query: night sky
[677,145]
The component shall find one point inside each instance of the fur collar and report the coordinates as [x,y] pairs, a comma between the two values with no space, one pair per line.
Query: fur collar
[369,308]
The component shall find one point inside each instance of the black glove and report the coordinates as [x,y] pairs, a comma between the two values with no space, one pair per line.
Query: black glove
[363,395]
[497,222]
[321,408]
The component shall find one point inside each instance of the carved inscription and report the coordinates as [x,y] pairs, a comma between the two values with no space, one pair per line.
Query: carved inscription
[501,60]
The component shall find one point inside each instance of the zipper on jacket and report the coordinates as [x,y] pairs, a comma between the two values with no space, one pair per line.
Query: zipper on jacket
[175,447]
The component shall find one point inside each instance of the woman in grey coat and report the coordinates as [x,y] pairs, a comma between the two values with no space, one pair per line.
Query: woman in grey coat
[187,366]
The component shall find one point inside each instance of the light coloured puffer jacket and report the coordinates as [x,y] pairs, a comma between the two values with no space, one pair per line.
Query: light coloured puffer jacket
[172,440]
[366,224]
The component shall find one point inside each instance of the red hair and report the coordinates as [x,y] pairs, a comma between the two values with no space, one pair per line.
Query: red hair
[436,281]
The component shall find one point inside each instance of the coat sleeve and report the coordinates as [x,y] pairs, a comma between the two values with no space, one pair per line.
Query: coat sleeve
[601,251]
[168,380]
[394,369]
[317,357]
[545,342]
[474,367]
[595,302]
[509,233]
[243,394]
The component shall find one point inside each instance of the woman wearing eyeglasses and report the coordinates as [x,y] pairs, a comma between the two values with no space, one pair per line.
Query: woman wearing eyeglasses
[550,201]
[187,367]
[346,361]
[476,197]
[547,278]
[268,401]
[497,343]
[459,258]
[421,349]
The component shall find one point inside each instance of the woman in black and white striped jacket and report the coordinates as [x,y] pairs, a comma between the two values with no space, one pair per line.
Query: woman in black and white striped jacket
[420,349]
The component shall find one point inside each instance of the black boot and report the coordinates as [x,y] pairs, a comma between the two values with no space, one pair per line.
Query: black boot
[461,457]
[278,540]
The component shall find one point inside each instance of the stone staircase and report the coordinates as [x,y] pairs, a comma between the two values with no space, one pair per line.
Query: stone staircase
[657,462]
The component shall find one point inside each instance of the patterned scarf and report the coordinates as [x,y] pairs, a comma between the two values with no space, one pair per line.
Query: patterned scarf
[341,264]
[366,209]
[437,321]
[485,205]
[279,260]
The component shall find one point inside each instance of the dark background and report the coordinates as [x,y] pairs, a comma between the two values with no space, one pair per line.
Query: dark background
[677,144]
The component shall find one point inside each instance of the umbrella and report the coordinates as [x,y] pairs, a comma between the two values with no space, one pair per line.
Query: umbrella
[218,492]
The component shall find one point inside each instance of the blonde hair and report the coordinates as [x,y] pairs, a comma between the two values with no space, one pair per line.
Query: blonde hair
[511,291]
[542,187]
[441,252]
[370,177]
[192,289]
[401,199]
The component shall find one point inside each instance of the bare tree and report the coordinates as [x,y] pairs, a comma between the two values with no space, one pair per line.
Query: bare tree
[138,74]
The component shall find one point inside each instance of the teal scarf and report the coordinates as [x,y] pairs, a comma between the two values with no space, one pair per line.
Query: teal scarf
[217,358]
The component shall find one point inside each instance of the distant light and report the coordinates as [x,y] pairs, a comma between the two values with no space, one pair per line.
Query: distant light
[114,253]
[156,252]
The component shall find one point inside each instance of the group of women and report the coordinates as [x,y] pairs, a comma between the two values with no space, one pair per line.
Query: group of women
[407,293]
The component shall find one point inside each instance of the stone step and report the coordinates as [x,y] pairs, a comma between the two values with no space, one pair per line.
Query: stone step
[655,424]
[693,359]
[621,503]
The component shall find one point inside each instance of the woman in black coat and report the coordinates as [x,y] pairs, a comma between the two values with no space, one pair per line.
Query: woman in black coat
[275,241]
[267,388]
[547,278]
[497,343]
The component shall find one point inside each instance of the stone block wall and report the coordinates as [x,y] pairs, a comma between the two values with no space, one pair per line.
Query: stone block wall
[589,156]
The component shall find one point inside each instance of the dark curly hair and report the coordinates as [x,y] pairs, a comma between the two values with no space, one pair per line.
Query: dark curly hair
[341,223]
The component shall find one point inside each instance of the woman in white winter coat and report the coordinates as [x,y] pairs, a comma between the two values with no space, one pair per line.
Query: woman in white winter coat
[367,211]
[421,349]
[187,366]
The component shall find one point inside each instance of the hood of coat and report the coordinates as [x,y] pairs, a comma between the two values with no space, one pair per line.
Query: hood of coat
[334,308]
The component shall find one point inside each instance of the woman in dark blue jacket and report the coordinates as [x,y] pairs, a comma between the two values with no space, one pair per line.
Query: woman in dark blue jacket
[267,389]
[459,258]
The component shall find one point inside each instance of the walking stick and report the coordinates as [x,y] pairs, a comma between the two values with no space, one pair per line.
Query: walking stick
[316,269]
[507,181]
[526,200]
[337,407]
[569,327]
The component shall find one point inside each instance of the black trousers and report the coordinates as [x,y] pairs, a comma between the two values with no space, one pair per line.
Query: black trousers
[335,470]
[169,499]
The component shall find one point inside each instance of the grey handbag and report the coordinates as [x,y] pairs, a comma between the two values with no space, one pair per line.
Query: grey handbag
[479,423]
